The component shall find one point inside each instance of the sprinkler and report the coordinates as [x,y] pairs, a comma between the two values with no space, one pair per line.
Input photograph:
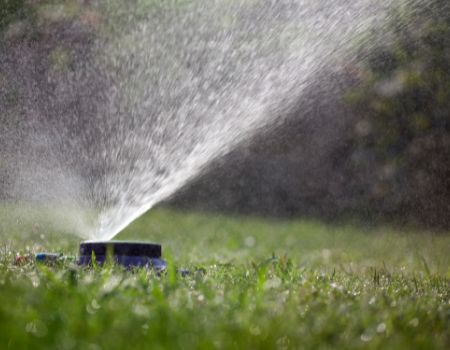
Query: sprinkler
[126,253]
[129,254]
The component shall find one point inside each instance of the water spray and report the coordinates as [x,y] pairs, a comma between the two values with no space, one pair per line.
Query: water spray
[145,109]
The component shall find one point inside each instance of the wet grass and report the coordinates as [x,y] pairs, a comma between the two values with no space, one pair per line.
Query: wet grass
[254,283]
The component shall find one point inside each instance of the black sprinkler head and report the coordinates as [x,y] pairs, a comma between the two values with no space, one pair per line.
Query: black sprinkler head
[126,253]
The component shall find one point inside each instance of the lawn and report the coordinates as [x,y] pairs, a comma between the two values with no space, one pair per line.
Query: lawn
[254,283]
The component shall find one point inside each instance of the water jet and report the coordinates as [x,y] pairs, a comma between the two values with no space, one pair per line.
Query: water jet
[151,99]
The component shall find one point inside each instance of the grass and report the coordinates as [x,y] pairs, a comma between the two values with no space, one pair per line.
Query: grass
[254,283]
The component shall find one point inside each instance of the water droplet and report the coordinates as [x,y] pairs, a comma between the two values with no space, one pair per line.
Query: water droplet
[255,330]
[381,328]
[367,336]
[414,322]
[250,241]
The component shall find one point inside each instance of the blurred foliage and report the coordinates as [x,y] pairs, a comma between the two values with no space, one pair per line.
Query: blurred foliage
[404,102]
[39,16]
[11,10]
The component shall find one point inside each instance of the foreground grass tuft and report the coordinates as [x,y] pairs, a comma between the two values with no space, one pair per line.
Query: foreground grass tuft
[253,284]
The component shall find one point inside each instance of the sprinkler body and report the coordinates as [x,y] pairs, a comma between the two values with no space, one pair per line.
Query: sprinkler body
[126,253]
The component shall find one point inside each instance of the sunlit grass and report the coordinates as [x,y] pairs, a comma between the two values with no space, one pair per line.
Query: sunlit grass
[254,283]
[194,237]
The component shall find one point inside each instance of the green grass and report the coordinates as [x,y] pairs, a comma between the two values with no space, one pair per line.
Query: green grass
[254,283]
